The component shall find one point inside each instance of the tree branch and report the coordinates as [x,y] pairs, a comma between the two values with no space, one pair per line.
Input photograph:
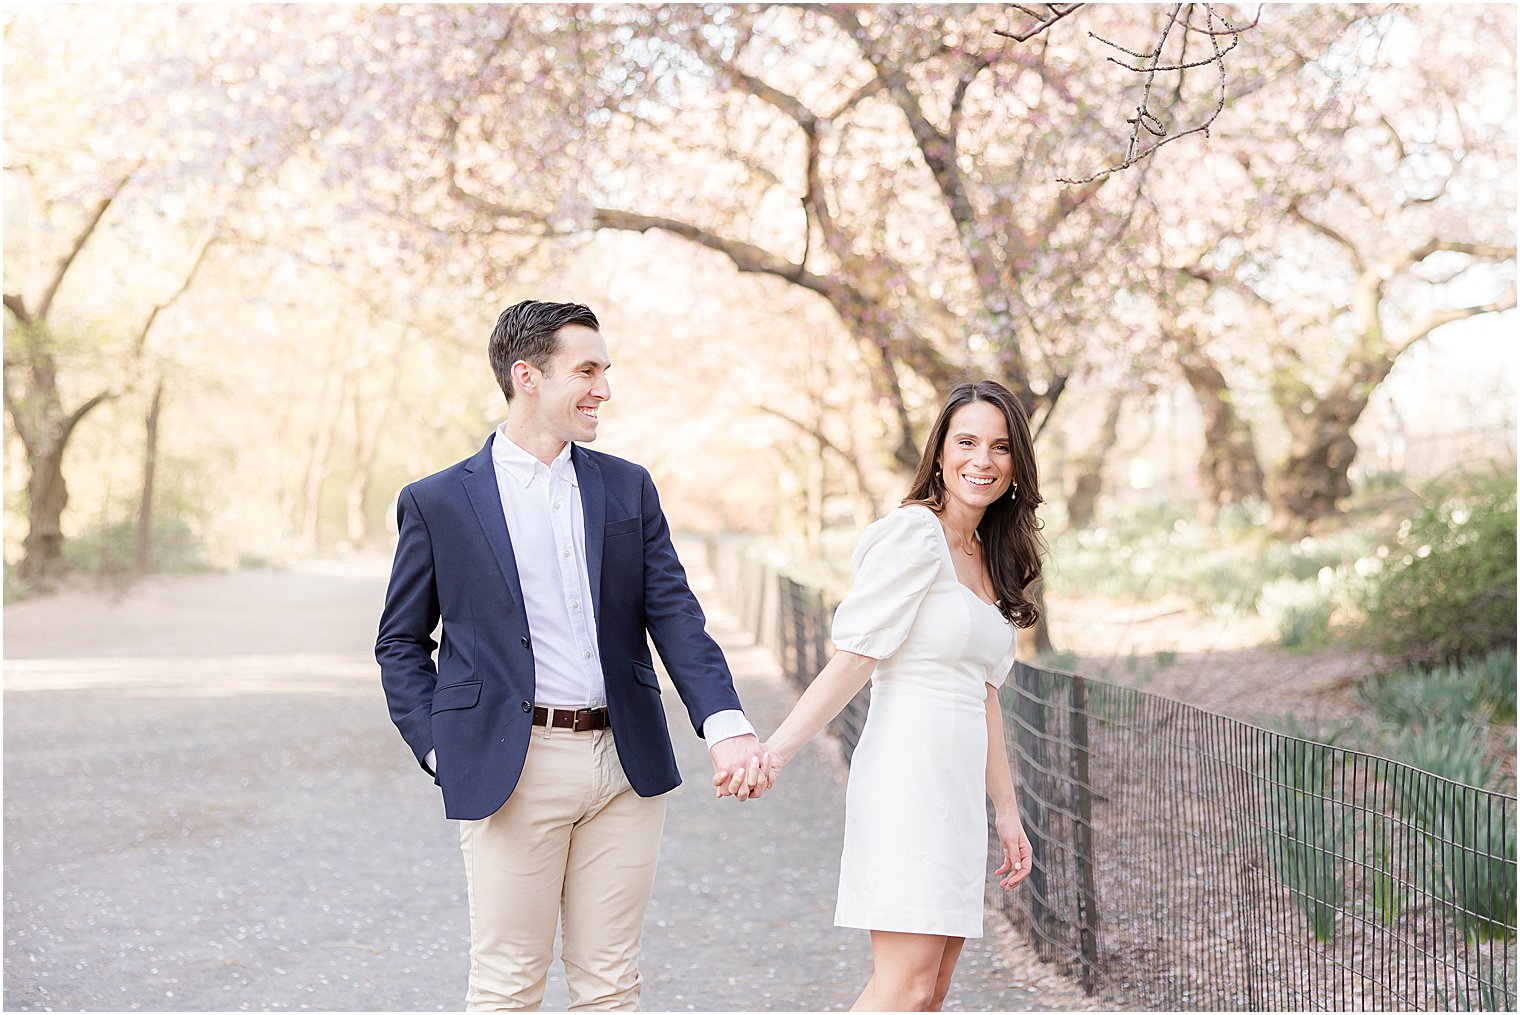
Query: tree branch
[17,306]
[852,461]
[1330,233]
[66,427]
[158,308]
[46,303]
[1436,319]
[1042,20]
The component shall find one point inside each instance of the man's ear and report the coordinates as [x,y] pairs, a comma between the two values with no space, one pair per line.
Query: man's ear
[525,376]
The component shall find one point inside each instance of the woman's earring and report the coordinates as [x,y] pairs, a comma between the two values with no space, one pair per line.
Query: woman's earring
[1013,492]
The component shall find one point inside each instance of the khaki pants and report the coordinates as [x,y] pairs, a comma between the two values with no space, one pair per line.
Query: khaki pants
[573,842]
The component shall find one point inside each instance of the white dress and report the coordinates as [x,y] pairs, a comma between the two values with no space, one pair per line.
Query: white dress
[915,830]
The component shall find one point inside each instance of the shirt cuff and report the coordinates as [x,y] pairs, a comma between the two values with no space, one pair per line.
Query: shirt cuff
[432,756]
[725,725]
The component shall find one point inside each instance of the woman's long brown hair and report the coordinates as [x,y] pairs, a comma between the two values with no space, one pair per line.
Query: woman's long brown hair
[1011,541]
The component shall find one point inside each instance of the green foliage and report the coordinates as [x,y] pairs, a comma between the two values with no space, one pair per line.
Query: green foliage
[110,550]
[1445,585]
[1060,660]
[1481,688]
[1469,832]
[1300,610]
[1308,834]
[15,589]
[1222,568]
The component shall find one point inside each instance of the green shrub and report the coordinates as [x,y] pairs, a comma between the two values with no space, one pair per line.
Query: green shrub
[1470,833]
[1445,588]
[1221,568]
[111,549]
[1307,833]
[15,589]
[1415,697]
[1300,610]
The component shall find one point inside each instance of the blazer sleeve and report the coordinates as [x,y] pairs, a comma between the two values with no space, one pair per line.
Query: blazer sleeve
[404,646]
[676,623]
[894,565]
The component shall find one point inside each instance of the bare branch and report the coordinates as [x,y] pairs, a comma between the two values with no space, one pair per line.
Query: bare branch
[66,427]
[17,306]
[790,105]
[1145,119]
[1042,20]
[850,460]
[158,308]
[1436,319]
[1330,233]
[46,303]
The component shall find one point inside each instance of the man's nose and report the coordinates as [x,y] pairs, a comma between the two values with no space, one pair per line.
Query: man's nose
[602,389]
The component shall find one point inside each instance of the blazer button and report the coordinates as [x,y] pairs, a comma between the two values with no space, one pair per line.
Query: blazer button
[527,643]
[527,706]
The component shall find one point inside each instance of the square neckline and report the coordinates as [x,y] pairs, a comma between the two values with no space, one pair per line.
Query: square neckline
[944,542]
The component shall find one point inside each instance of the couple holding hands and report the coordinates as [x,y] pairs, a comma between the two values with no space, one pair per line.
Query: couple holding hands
[550,567]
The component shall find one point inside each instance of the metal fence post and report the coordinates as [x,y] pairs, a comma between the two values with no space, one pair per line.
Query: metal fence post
[1030,707]
[1082,837]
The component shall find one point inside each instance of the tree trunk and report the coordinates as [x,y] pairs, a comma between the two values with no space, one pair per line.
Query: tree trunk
[1229,470]
[143,560]
[47,496]
[319,464]
[1310,482]
[1082,502]
[1040,643]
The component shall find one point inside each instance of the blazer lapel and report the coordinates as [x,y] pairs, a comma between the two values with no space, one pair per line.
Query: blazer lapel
[594,509]
[485,498]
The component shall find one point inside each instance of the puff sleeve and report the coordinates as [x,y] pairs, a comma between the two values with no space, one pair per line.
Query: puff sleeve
[894,565]
[1000,672]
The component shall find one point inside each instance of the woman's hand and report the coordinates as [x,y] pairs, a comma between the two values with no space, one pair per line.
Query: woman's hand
[1018,857]
[769,767]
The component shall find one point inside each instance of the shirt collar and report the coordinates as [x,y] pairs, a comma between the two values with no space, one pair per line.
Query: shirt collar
[523,467]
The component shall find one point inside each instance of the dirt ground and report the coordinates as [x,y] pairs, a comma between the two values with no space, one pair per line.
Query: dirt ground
[1227,665]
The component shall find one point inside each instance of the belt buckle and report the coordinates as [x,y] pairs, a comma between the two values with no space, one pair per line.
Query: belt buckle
[580,715]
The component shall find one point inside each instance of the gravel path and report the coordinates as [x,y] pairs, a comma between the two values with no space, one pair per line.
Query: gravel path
[206,808]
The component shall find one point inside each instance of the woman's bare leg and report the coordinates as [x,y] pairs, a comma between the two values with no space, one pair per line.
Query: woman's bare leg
[947,962]
[905,971]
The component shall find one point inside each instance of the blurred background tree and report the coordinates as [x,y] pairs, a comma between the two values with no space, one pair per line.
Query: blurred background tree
[251,266]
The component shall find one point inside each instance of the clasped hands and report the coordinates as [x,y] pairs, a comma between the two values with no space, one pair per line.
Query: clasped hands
[743,767]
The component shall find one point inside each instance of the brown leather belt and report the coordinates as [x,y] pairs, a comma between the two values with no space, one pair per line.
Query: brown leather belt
[577,719]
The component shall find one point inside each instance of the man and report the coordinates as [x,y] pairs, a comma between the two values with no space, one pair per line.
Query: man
[541,719]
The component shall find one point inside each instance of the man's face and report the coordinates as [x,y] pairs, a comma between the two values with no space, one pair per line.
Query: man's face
[575,385]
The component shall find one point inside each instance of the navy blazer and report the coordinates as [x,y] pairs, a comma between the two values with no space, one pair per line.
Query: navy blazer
[454,562]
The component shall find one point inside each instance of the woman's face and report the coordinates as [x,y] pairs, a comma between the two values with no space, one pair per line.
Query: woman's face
[975,461]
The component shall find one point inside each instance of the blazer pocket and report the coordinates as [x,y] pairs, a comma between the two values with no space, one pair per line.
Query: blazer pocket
[645,674]
[456,696]
[623,527]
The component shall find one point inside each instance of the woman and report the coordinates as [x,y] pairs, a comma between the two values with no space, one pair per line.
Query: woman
[940,584]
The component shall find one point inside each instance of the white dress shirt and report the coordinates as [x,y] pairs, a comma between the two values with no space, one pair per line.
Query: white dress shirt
[542,505]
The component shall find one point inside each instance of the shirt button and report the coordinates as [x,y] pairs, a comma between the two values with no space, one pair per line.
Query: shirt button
[585,654]
[564,553]
[575,604]
[556,505]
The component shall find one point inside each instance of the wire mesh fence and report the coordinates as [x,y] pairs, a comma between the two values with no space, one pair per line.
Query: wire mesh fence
[1186,860]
